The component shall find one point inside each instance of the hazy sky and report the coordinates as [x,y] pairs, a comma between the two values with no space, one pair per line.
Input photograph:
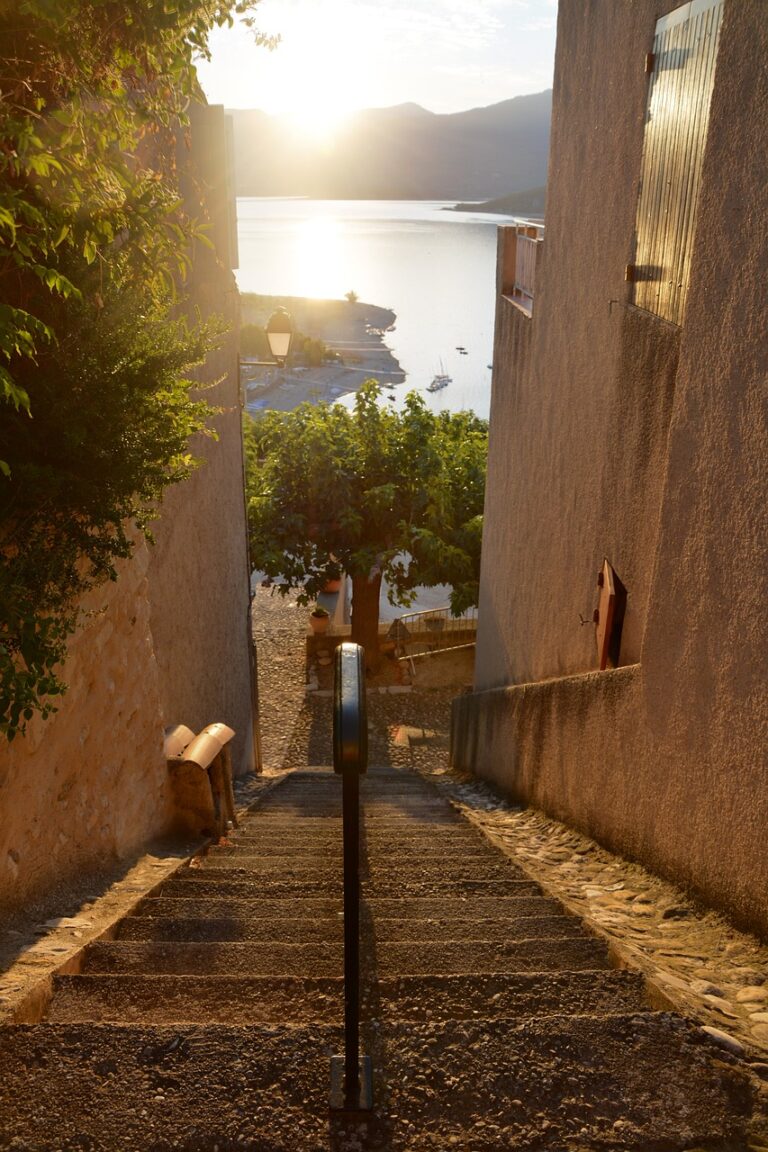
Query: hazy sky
[339,55]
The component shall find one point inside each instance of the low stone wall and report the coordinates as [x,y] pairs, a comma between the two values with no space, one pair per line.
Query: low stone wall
[587,751]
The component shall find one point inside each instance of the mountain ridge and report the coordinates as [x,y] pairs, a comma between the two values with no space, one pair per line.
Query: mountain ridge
[400,152]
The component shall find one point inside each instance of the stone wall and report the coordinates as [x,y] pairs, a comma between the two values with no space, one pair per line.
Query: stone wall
[619,435]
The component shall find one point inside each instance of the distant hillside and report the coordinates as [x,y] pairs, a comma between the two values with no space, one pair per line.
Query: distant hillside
[403,152]
[528,203]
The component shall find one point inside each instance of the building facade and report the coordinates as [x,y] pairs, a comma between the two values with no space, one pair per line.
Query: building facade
[629,425]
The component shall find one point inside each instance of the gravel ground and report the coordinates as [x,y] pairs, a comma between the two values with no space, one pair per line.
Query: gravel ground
[406,730]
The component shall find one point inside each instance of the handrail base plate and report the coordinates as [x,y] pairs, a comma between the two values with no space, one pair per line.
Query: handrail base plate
[339,1105]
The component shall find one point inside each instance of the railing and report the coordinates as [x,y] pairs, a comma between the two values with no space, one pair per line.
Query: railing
[521,246]
[351,1075]
[529,237]
[432,630]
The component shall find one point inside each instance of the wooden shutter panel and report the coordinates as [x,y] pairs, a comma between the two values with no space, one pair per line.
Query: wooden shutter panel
[682,77]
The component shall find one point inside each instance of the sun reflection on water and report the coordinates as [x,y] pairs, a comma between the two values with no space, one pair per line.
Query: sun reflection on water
[320,257]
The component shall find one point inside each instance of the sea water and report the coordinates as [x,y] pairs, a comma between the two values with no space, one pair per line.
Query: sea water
[436,269]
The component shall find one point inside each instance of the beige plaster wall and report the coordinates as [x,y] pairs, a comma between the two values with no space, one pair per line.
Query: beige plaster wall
[199,582]
[621,435]
[89,785]
[169,642]
[587,404]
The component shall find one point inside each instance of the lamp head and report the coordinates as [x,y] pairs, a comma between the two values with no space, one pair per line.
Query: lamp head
[279,335]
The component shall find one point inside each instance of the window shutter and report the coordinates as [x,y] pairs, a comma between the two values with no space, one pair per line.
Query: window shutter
[682,71]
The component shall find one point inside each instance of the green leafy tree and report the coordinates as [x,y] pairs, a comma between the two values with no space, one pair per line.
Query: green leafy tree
[89,96]
[394,494]
[95,412]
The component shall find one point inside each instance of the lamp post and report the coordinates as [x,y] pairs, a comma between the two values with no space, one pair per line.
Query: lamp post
[279,331]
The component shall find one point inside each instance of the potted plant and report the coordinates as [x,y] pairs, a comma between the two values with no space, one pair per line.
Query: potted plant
[332,582]
[319,619]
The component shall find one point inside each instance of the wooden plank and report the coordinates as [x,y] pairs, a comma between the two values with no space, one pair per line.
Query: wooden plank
[605,609]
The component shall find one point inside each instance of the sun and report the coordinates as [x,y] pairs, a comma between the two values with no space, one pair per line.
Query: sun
[317,121]
[316,77]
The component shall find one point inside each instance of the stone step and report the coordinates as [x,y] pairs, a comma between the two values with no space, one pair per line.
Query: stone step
[640,1081]
[291,1000]
[370,845]
[446,869]
[401,821]
[423,811]
[332,854]
[369,799]
[243,884]
[293,825]
[271,958]
[448,910]
[514,995]
[456,957]
[197,999]
[331,789]
[215,959]
[221,905]
[298,930]
[327,931]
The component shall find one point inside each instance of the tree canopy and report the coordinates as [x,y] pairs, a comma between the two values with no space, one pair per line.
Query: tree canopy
[95,413]
[378,492]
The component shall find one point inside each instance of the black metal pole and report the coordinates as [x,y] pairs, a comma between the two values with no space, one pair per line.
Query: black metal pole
[351,1078]
[351,821]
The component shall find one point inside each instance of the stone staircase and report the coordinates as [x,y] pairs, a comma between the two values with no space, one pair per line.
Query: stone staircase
[493,1020]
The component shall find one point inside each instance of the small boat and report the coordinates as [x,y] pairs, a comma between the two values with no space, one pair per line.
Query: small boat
[440,380]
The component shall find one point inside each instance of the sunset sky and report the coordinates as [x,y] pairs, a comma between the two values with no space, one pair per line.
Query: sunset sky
[340,55]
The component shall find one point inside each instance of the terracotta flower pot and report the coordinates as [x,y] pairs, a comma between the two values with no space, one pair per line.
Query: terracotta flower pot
[319,624]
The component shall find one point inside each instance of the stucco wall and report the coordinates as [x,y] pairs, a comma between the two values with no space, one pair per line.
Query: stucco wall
[628,437]
[591,393]
[199,581]
[169,642]
[90,784]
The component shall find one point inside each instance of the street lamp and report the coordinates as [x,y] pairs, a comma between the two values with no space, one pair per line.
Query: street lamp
[279,331]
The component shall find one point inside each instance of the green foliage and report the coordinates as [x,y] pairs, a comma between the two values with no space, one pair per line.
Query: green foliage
[399,493]
[113,419]
[95,415]
[89,96]
[351,296]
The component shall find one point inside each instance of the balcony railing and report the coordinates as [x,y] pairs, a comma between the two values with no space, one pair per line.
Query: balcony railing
[520,249]
[432,630]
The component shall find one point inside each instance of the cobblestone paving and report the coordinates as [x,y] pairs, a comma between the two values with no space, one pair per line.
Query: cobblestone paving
[709,970]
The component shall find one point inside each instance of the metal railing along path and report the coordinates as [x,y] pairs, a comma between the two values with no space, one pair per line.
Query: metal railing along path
[432,630]
[351,1075]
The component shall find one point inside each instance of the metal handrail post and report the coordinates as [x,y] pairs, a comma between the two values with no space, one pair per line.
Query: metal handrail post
[351,1077]
[351,822]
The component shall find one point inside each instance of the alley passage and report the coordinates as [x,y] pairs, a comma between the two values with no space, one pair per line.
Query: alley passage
[493,1020]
